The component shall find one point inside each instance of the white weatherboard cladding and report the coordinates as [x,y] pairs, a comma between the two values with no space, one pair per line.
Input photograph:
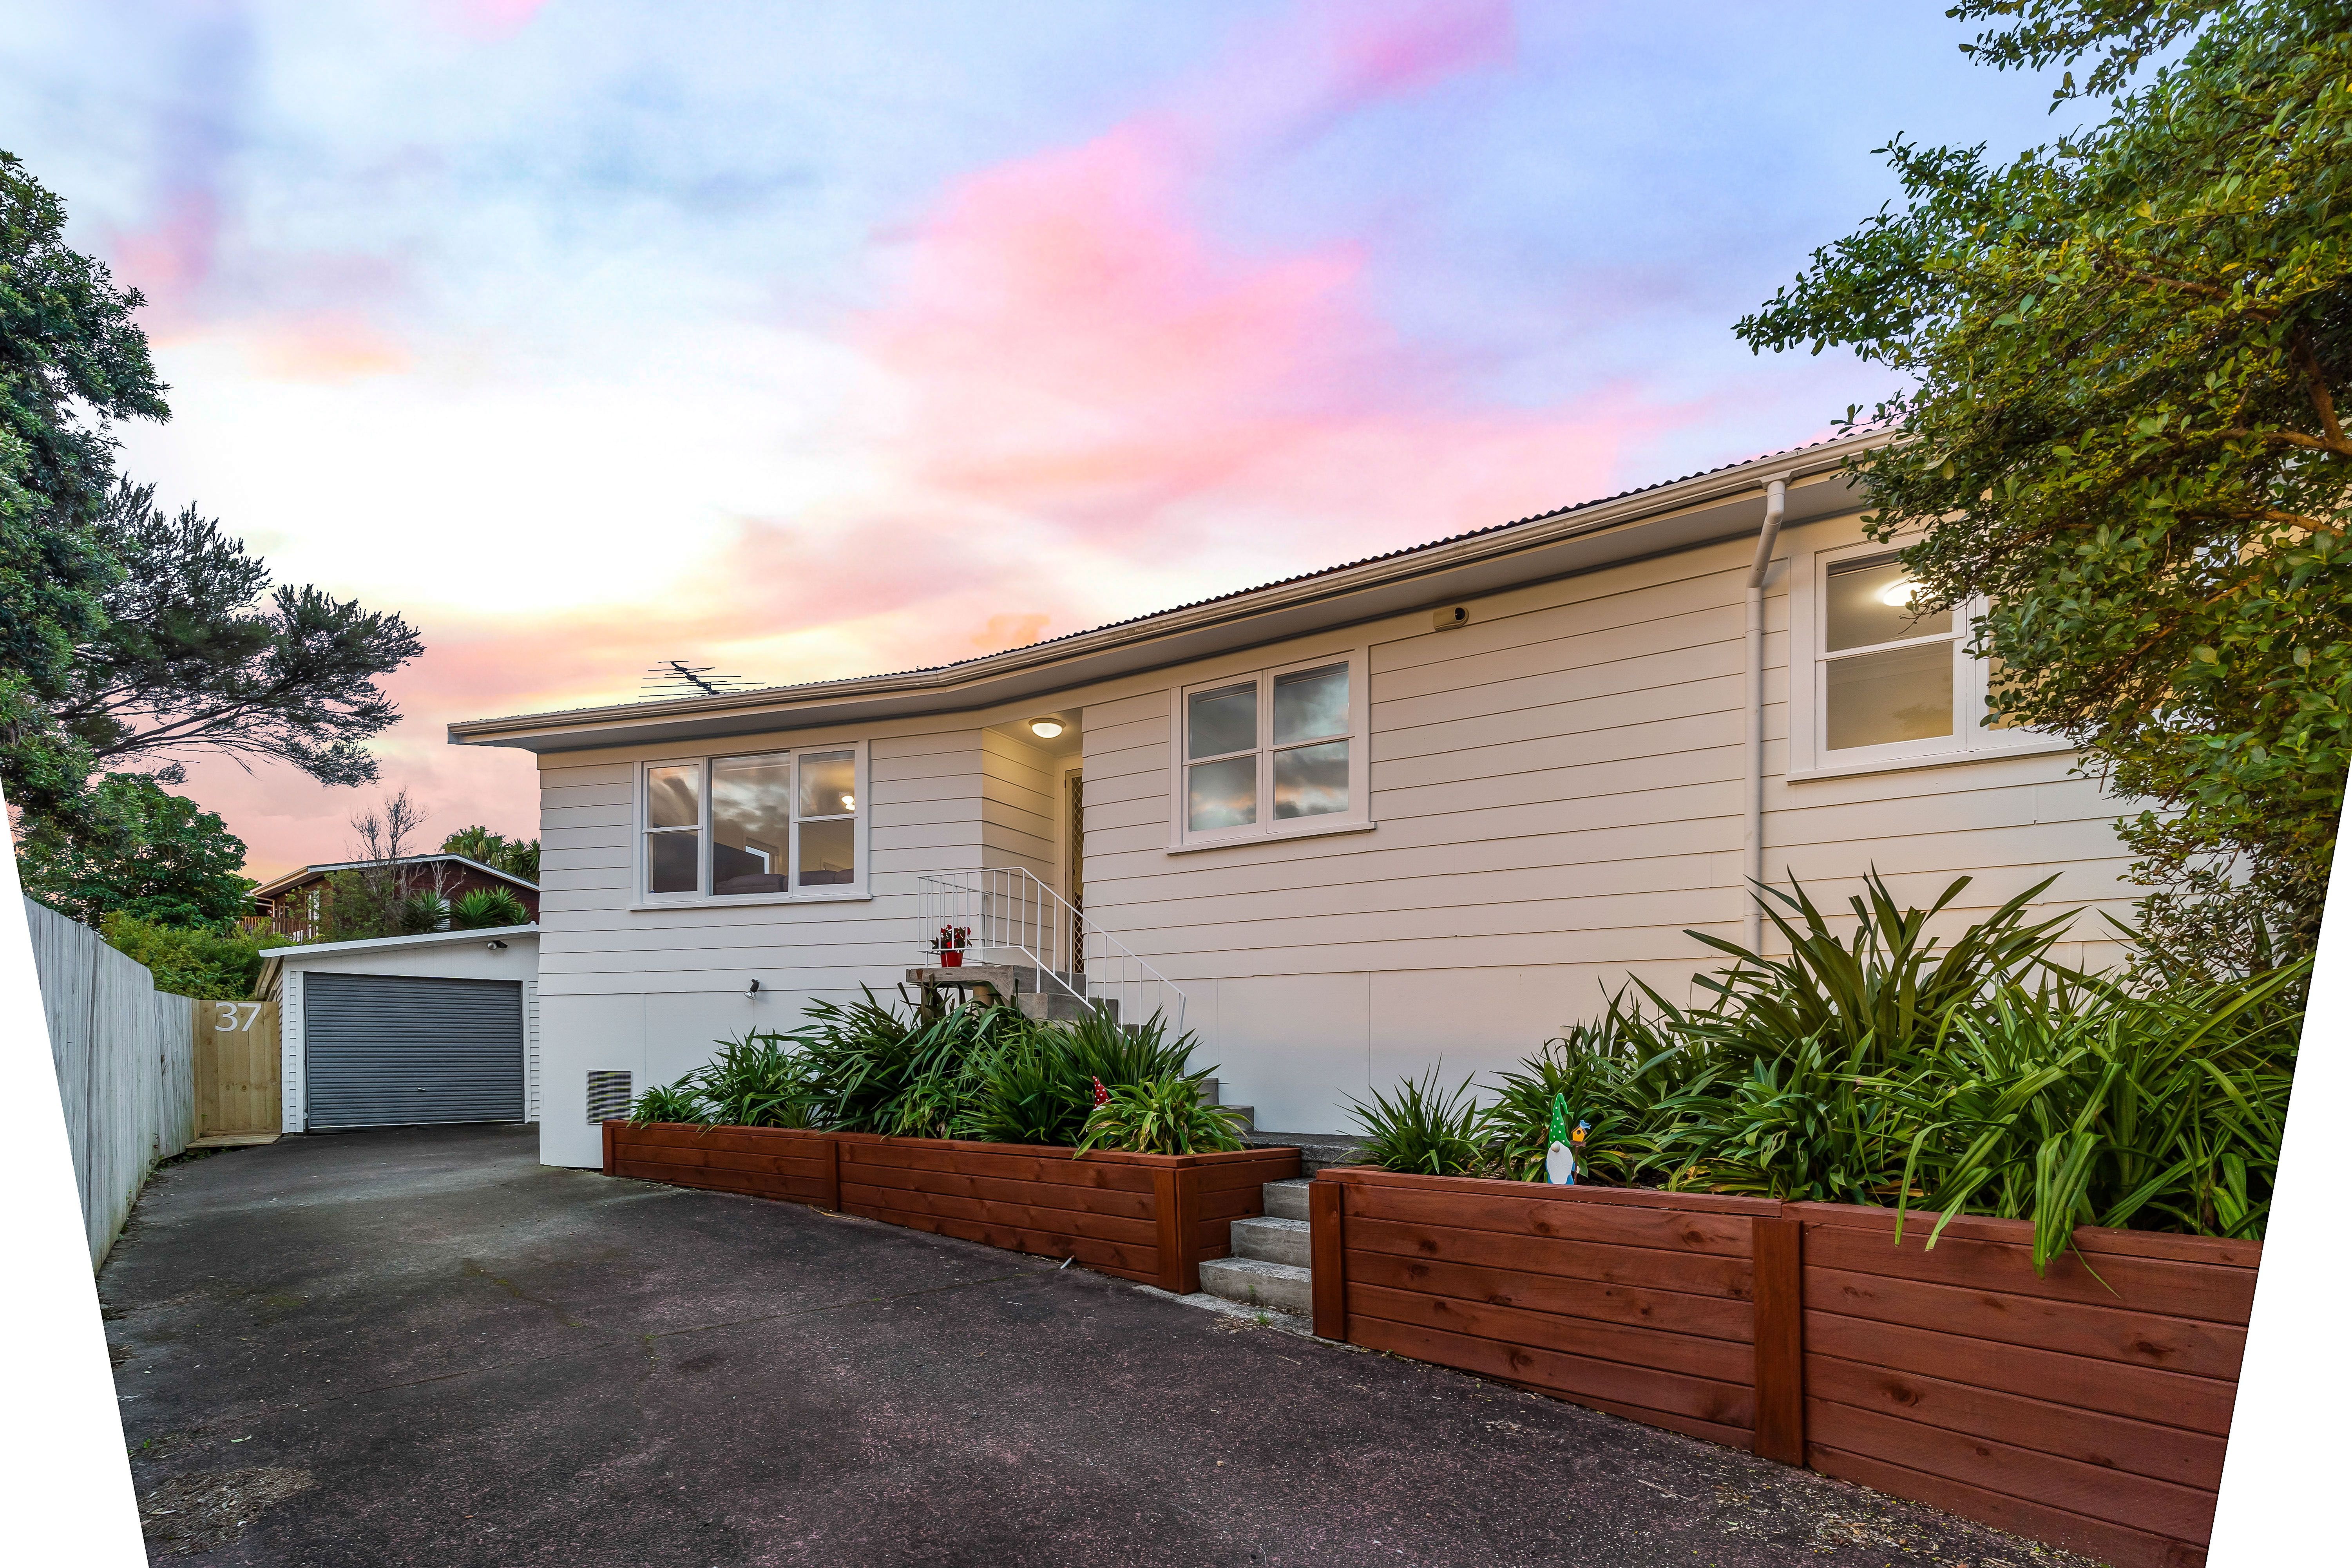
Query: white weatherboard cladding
[1555,796]
[291,1090]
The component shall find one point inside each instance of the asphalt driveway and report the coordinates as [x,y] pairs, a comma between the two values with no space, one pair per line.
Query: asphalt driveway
[420,1346]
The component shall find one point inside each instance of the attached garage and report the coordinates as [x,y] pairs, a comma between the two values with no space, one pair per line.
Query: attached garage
[408,1030]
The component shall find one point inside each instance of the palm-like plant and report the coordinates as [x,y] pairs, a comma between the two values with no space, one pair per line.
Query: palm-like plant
[483,908]
[423,912]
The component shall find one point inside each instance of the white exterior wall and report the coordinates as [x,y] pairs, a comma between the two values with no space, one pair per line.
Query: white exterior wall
[1555,793]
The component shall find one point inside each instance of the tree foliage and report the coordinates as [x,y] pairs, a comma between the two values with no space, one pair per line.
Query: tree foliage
[2125,354]
[72,360]
[516,857]
[193,961]
[196,653]
[140,851]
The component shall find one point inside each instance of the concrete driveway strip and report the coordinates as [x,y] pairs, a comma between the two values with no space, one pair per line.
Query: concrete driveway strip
[420,1346]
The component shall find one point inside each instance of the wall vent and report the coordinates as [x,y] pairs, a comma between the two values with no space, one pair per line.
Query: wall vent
[608,1096]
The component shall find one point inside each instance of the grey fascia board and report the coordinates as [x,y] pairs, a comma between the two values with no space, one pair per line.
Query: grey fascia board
[954,687]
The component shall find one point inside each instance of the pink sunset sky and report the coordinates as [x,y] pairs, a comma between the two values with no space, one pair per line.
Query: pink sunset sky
[820,339]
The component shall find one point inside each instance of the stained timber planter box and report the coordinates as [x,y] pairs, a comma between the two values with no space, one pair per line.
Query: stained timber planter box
[762,1162]
[2087,1406]
[1154,1217]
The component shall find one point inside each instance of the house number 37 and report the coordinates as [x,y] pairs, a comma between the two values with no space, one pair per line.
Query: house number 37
[235,1017]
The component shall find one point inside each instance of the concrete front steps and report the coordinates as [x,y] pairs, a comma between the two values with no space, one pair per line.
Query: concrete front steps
[1272,1264]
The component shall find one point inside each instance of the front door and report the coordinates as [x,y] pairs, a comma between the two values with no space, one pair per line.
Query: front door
[1074,855]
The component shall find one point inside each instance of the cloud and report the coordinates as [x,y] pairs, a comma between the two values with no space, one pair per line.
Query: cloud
[487,21]
[1076,399]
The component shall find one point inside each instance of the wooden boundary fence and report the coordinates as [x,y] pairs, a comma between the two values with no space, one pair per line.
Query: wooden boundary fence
[125,1057]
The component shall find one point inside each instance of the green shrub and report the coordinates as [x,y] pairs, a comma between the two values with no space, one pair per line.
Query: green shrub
[755,1082]
[678,1101]
[1162,1115]
[1026,1093]
[1424,1128]
[219,964]
[483,908]
[983,1072]
[423,912]
[1882,1067]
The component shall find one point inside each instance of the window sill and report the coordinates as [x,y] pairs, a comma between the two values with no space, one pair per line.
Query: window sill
[1937,759]
[1332,831]
[754,900]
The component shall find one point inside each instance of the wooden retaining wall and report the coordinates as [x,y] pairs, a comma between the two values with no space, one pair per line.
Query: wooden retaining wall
[1638,1303]
[1152,1218]
[125,1060]
[2087,1406]
[762,1162]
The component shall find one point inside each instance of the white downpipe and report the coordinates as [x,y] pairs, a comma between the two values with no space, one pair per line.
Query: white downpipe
[1775,500]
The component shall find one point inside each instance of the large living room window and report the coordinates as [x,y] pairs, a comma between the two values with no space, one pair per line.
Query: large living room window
[776,824]
[1275,752]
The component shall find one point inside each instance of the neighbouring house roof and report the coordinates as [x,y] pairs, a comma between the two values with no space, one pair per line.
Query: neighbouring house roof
[1657,519]
[294,878]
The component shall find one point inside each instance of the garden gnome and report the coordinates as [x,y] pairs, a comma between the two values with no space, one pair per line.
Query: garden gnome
[1559,1161]
[1102,1095]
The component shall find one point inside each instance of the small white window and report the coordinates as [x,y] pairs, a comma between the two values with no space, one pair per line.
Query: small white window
[777,824]
[1882,681]
[1279,751]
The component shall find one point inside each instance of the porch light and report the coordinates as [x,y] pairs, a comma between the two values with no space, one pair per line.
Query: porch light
[1045,728]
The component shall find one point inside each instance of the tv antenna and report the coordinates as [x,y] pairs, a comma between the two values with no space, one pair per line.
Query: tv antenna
[676,678]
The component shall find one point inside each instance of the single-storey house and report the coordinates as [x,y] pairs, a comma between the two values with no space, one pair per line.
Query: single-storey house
[295,905]
[1425,805]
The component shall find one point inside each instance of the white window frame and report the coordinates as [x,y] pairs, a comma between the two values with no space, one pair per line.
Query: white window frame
[1356,817]
[1809,660]
[702,897]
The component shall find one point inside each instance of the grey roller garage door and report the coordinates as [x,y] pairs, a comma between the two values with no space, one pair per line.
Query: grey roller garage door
[386,1050]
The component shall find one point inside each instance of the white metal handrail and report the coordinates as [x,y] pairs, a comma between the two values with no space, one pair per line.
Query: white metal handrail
[1015,920]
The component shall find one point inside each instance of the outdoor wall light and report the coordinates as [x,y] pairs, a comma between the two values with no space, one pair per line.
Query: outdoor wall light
[1045,728]
[752,989]
[495,945]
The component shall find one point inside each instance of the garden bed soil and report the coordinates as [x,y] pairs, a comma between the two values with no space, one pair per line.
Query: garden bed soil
[1150,1217]
[2087,1406]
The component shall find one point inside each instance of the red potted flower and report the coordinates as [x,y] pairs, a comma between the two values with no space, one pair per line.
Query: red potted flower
[950,944]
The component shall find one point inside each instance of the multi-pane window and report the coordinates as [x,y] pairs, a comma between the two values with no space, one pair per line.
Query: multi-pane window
[776,822]
[1269,750]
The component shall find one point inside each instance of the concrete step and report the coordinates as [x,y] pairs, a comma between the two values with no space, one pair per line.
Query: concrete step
[1271,1241]
[1315,1150]
[1060,1007]
[1256,1282]
[1287,1199]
